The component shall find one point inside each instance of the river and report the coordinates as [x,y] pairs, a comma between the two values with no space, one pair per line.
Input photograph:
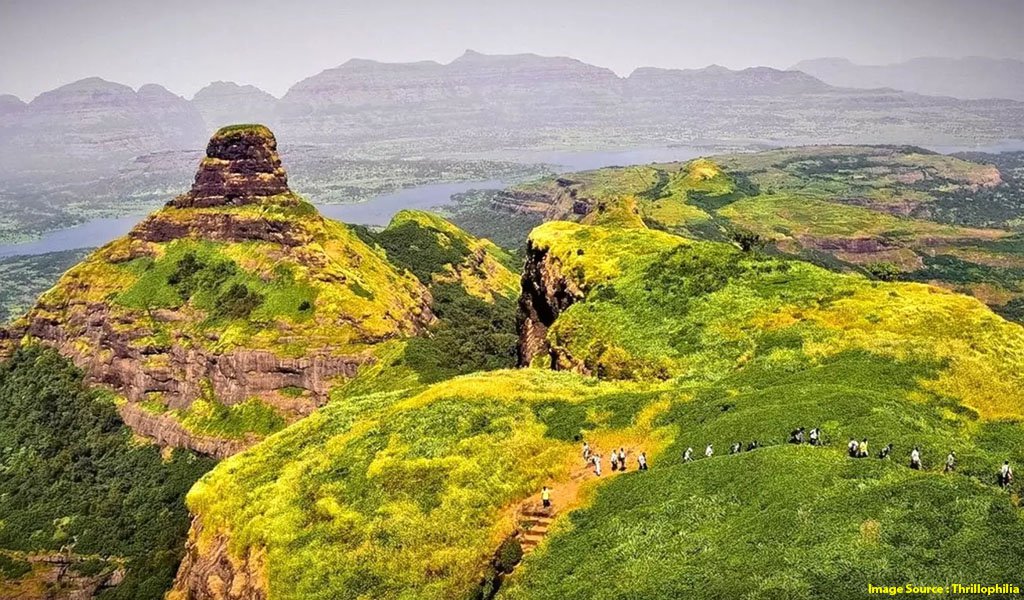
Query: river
[380,209]
[375,211]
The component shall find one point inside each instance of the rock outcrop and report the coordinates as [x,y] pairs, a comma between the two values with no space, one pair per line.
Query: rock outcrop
[546,293]
[210,571]
[123,316]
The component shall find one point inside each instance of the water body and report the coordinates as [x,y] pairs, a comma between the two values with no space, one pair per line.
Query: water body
[379,210]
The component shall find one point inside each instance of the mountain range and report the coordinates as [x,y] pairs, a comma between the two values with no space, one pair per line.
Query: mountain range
[480,103]
[972,77]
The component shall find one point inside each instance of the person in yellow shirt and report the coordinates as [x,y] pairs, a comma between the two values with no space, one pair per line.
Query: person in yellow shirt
[545,497]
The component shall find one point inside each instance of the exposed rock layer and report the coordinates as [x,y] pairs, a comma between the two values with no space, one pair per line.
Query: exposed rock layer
[546,293]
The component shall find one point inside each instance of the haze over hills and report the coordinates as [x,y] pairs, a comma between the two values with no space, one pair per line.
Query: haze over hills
[480,103]
[971,77]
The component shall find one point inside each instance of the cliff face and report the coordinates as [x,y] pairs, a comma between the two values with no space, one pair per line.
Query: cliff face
[237,293]
[547,292]
[210,571]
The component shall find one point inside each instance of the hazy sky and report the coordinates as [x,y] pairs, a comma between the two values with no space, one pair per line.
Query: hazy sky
[185,44]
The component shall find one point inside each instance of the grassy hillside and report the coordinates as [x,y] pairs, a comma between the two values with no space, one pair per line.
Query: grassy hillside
[887,211]
[691,343]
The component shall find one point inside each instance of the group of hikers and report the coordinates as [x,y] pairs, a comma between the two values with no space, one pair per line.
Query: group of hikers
[617,459]
[859,449]
[855,449]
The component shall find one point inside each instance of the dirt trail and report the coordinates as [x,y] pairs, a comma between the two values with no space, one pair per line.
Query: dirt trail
[535,520]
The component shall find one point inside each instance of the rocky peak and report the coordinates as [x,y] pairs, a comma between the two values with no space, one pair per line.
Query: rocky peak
[242,166]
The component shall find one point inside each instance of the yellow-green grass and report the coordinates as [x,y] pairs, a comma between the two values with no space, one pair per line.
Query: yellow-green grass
[404,494]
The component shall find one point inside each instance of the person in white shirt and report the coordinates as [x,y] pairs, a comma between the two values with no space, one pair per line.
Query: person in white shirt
[709,451]
[1005,474]
[622,458]
[915,459]
[597,465]
[642,461]
[852,447]
[950,462]
[586,452]
[688,455]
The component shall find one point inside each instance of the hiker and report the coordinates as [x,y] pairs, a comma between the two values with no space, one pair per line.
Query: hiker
[754,445]
[950,462]
[709,451]
[915,459]
[615,461]
[862,449]
[622,458]
[735,448]
[642,461]
[851,448]
[596,458]
[688,455]
[796,436]
[1005,474]
[884,454]
[815,436]
[545,497]
[586,452]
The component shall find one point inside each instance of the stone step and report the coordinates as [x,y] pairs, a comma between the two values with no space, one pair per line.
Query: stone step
[532,537]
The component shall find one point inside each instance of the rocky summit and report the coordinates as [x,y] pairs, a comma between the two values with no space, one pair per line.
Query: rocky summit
[241,167]
[230,312]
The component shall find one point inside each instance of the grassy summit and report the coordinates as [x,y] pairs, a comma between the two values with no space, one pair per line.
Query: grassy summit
[668,343]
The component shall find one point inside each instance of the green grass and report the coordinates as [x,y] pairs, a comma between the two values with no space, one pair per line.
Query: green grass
[210,417]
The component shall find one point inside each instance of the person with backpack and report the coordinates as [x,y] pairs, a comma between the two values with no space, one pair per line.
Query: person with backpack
[796,436]
[735,448]
[753,445]
[1005,474]
[915,459]
[851,448]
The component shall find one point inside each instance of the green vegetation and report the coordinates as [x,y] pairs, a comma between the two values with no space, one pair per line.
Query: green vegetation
[847,208]
[71,474]
[409,488]
[207,416]
[691,343]
[25,277]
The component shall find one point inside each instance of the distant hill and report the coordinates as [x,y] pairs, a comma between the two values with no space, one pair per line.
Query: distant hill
[225,102]
[971,78]
[482,103]
[95,123]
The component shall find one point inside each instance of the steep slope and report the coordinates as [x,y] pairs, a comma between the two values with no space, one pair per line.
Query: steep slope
[658,342]
[84,507]
[231,310]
